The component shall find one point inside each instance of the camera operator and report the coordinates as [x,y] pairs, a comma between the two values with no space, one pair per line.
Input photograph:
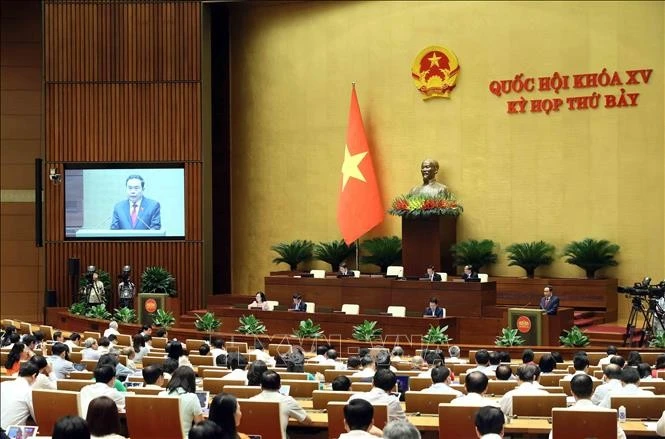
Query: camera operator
[126,288]
[94,289]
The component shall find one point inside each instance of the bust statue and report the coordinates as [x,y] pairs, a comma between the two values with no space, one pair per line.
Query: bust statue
[430,187]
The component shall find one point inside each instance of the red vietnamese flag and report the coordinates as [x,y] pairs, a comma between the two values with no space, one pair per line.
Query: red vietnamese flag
[360,208]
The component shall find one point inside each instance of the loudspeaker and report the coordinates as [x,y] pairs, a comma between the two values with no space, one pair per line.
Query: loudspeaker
[74,266]
[51,300]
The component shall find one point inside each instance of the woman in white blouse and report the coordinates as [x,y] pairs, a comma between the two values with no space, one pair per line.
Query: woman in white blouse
[259,302]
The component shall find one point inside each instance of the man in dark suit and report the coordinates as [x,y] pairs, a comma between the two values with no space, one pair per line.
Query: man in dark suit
[549,303]
[137,212]
[344,271]
[433,276]
[298,305]
[433,310]
[469,275]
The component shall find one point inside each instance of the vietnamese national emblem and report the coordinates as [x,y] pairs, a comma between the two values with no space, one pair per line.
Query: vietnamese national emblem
[435,71]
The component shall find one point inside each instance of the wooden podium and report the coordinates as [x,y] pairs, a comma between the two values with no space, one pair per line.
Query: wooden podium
[148,304]
[427,241]
[538,328]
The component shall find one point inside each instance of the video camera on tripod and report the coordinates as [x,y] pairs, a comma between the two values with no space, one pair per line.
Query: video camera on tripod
[647,302]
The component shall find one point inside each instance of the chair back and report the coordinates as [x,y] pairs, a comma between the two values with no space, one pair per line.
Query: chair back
[658,386]
[90,365]
[51,405]
[91,334]
[4,378]
[427,403]
[47,330]
[552,389]
[236,346]
[310,307]
[313,368]
[578,424]
[395,270]
[242,391]
[76,357]
[214,373]
[216,385]
[254,416]
[419,383]
[201,360]
[301,388]
[361,387]
[72,385]
[25,328]
[126,340]
[456,421]
[318,274]
[495,387]
[483,277]
[83,375]
[321,398]
[293,376]
[193,344]
[274,349]
[331,374]
[595,357]
[145,390]
[397,311]
[351,308]
[336,418]
[537,405]
[444,276]
[640,406]
[549,380]
[148,416]
[149,359]
[566,386]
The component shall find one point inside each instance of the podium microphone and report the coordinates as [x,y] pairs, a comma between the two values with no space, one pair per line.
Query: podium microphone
[102,222]
[144,223]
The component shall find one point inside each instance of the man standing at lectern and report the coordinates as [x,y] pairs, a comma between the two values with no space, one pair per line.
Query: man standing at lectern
[549,303]
[137,212]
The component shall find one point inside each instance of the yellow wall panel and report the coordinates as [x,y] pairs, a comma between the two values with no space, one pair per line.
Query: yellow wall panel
[562,177]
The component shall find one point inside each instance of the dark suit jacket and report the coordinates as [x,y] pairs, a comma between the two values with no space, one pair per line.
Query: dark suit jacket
[348,273]
[149,216]
[470,276]
[302,307]
[551,307]
[436,277]
[438,312]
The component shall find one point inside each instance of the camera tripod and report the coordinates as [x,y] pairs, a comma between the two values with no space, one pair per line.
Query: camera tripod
[648,313]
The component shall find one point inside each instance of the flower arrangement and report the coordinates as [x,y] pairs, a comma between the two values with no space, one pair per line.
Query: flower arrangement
[422,206]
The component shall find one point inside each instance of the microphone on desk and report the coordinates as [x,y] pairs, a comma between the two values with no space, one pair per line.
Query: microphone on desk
[98,225]
[144,223]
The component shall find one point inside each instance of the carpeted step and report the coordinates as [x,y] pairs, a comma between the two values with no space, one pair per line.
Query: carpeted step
[582,314]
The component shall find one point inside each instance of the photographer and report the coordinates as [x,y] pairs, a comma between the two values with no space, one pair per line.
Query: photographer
[94,289]
[126,288]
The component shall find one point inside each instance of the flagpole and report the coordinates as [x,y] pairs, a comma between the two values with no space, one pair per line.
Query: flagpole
[358,254]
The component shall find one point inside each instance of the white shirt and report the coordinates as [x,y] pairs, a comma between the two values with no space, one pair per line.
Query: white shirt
[288,407]
[71,345]
[578,372]
[45,382]
[263,356]
[353,434]
[379,396]
[525,388]
[490,436]
[487,370]
[367,372]
[442,388]
[587,405]
[92,391]
[236,374]
[90,354]
[606,360]
[110,331]
[627,389]
[604,389]
[474,400]
[189,408]
[216,352]
[15,402]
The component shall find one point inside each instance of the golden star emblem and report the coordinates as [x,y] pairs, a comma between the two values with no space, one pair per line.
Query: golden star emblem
[350,167]
[434,60]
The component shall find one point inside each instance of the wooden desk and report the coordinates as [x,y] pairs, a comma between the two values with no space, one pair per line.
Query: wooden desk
[337,324]
[461,299]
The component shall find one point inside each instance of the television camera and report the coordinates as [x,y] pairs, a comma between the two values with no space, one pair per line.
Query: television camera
[648,301]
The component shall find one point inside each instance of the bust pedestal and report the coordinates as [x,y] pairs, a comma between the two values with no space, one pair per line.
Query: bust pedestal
[427,241]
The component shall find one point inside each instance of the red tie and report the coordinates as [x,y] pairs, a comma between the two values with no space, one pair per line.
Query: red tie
[134,214]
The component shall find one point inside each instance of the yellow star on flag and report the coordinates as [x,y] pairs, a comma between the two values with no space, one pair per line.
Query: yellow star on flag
[350,167]
[434,60]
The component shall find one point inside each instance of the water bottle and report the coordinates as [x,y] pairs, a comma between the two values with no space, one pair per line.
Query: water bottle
[622,414]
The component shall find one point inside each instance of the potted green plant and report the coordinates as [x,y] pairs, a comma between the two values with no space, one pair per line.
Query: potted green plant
[366,331]
[334,252]
[574,338]
[158,280]
[383,251]
[124,315]
[308,329]
[78,308]
[530,255]
[475,253]
[591,255]
[207,322]
[163,318]
[98,312]
[658,340]
[436,335]
[293,253]
[509,337]
[251,325]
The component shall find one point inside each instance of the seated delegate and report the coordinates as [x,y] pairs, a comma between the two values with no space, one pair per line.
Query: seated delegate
[298,305]
[433,310]
[259,302]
